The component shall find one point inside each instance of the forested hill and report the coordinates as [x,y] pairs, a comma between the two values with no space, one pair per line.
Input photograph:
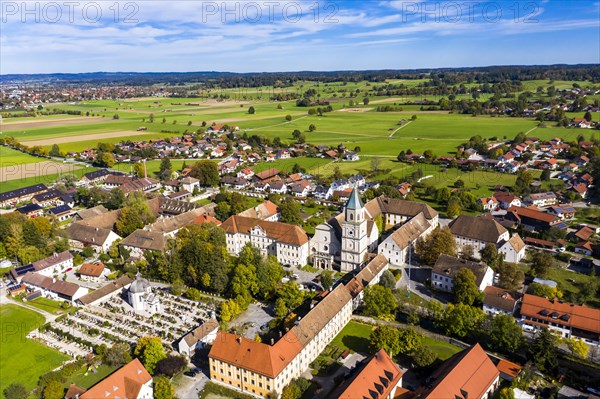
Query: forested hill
[491,74]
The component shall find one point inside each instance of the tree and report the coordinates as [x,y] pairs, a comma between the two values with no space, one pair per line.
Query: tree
[506,393]
[207,172]
[588,116]
[296,134]
[423,357]
[53,390]
[510,276]
[150,351]
[504,334]
[454,209]
[163,389]
[165,167]
[135,215]
[171,365]
[541,262]
[428,154]
[489,255]
[379,301]
[442,195]
[542,290]
[55,151]
[386,338]
[251,110]
[117,355]
[290,212]
[410,340]
[117,199]
[15,391]
[461,320]
[464,287]
[327,279]
[366,101]
[230,310]
[280,308]
[375,164]
[388,280]
[291,391]
[312,127]
[193,293]
[577,347]
[288,118]
[269,273]
[523,182]
[244,283]
[107,159]
[543,351]
[440,241]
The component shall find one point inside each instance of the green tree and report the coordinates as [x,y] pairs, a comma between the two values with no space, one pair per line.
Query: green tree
[379,301]
[55,151]
[288,118]
[510,276]
[442,195]
[366,101]
[423,357]
[464,287]
[440,241]
[312,127]
[163,389]
[461,320]
[150,351]
[541,263]
[107,159]
[326,279]
[506,393]
[15,391]
[291,391]
[117,199]
[388,280]
[193,294]
[207,172]
[290,294]
[290,212]
[489,255]
[504,334]
[280,308]
[165,167]
[251,110]
[244,282]
[117,355]
[543,351]
[269,273]
[135,215]
[577,347]
[53,390]
[542,290]
[386,338]
[454,208]
[410,340]
[230,310]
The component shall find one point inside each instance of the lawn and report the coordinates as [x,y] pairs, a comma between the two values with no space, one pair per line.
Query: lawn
[23,360]
[86,379]
[19,183]
[9,157]
[355,337]
[48,305]
[443,349]
[570,289]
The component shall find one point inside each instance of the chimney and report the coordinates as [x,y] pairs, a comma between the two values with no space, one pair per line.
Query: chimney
[239,340]
[272,341]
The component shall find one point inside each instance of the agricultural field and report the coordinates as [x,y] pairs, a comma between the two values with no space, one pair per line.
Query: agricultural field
[46,179]
[23,360]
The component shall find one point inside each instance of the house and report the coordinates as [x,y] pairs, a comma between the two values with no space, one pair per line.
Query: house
[52,288]
[563,211]
[190,184]
[351,156]
[31,210]
[53,265]
[585,248]
[541,200]
[468,374]
[533,219]
[268,211]
[477,232]
[93,272]
[277,187]
[508,370]
[286,241]
[82,235]
[581,189]
[91,212]
[61,212]
[13,197]
[131,381]
[206,218]
[398,245]
[142,240]
[497,301]
[568,320]
[377,373]
[267,175]
[204,334]
[506,200]
[94,177]
[488,204]
[48,198]
[513,249]
[446,267]
[584,233]
[246,173]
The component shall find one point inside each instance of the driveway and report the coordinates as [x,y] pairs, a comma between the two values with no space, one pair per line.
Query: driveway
[189,387]
[253,318]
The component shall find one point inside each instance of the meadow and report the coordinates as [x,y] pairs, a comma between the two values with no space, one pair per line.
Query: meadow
[23,360]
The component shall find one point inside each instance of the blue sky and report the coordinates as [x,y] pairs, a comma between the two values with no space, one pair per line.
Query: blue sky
[282,35]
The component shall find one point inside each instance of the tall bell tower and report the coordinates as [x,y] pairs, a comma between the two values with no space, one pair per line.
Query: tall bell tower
[354,234]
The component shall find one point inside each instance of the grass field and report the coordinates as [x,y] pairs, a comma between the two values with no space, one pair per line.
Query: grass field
[22,360]
[86,379]
[15,184]
[9,157]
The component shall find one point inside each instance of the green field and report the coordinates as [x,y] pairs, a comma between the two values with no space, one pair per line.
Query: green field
[9,157]
[19,183]
[23,360]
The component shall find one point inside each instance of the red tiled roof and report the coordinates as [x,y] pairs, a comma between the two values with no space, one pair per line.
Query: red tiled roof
[126,382]
[283,232]
[576,316]
[509,368]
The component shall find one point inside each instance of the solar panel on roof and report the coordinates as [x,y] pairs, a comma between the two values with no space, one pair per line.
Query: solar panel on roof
[24,269]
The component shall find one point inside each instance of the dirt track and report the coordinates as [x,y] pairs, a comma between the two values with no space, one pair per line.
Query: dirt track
[86,137]
[22,171]
[34,124]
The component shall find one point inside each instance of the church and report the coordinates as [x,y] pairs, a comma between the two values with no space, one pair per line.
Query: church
[345,240]
[141,298]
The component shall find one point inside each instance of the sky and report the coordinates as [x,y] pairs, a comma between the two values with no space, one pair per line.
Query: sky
[72,36]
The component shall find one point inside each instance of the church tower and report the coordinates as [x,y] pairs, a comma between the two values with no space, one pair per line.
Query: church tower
[354,234]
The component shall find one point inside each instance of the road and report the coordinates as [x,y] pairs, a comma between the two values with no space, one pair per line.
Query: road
[189,387]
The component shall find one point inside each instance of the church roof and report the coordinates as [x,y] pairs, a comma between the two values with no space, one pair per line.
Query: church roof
[140,284]
[354,202]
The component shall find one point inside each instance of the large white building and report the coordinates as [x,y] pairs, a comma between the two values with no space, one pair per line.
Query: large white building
[51,266]
[330,242]
[141,298]
[397,246]
[286,241]
[204,334]
[446,267]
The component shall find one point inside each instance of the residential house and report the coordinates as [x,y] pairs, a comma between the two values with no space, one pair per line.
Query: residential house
[266,210]
[509,371]
[52,288]
[53,265]
[31,210]
[48,198]
[563,211]
[267,175]
[61,212]
[398,245]
[110,290]
[203,335]
[13,197]
[533,219]
[131,381]
[95,177]
[569,320]
[190,184]
[277,187]
[98,238]
[497,301]
[446,267]
[513,249]
[488,204]
[93,272]
[541,200]
[477,232]
[584,248]
[286,241]
[506,200]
